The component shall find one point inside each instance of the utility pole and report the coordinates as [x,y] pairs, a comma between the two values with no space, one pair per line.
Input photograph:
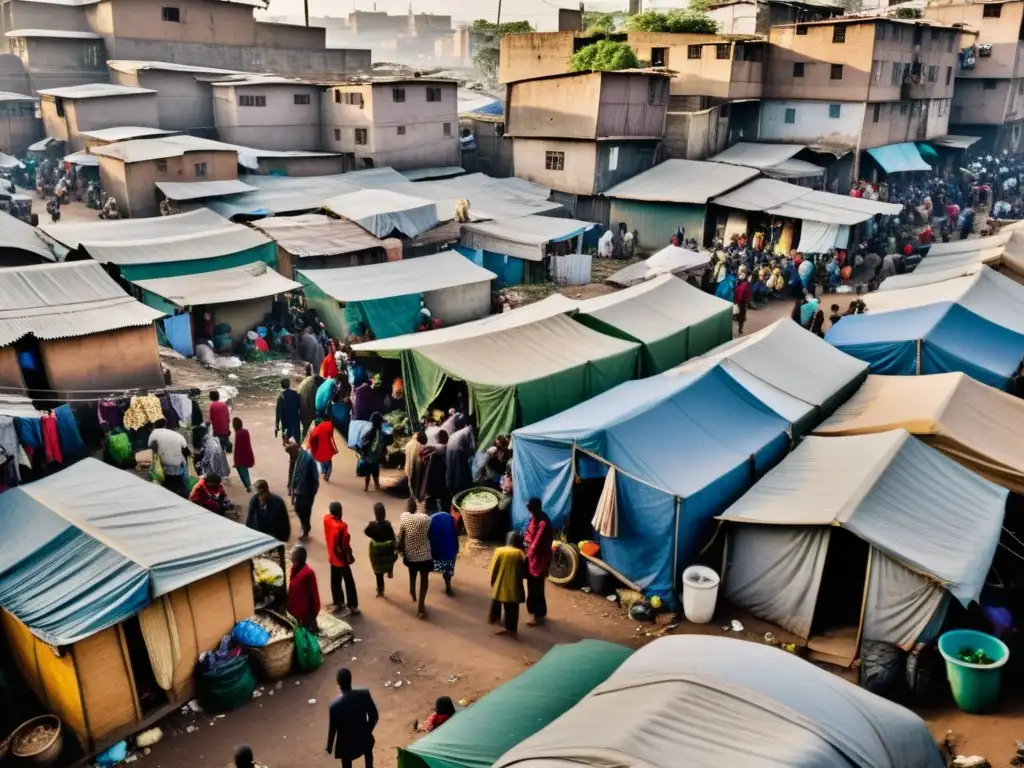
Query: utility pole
[499,17]
[305,8]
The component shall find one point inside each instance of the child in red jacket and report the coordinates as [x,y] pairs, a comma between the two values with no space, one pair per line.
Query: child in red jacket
[303,594]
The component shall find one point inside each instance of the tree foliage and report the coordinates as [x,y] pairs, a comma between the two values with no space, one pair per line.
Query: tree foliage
[598,23]
[907,13]
[507,28]
[487,56]
[692,21]
[605,56]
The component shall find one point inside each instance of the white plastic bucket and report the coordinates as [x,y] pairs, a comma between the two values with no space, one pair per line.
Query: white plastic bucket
[700,593]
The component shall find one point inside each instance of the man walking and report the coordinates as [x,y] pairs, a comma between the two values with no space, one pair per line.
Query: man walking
[538,540]
[414,546]
[742,295]
[267,513]
[352,718]
[303,484]
[288,418]
[173,451]
[339,553]
[220,421]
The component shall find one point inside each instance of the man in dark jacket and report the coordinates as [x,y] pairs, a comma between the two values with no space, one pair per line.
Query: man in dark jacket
[353,717]
[268,513]
[303,485]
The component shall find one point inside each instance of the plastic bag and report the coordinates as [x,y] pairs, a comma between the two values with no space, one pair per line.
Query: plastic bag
[229,687]
[307,650]
[250,634]
[119,445]
[156,472]
[191,478]
[113,756]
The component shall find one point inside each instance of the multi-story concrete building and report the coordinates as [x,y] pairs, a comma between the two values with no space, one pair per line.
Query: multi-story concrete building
[209,33]
[403,122]
[757,17]
[19,125]
[68,112]
[268,112]
[989,97]
[856,83]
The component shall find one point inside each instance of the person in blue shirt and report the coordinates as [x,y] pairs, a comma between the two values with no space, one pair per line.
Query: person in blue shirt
[288,419]
[326,394]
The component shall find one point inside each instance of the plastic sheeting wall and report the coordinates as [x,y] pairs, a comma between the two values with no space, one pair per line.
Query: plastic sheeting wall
[657,222]
[459,304]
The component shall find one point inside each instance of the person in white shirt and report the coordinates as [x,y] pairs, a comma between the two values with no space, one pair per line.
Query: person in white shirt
[173,451]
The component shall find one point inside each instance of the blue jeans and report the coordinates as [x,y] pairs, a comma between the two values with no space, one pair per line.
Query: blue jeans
[326,467]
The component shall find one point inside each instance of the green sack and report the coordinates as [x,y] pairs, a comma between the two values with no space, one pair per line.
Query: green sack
[229,687]
[307,650]
[120,447]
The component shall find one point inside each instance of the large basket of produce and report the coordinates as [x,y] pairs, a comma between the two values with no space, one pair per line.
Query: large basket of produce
[479,509]
[38,741]
[275,658]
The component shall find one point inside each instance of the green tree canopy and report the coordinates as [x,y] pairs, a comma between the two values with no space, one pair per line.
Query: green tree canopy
[691,21]
[605,56]
[507,28]
[597,23]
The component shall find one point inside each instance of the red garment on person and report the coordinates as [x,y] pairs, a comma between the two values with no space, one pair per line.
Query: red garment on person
[207,499]
[339,541]
[539,539]
[742,293]
[220,418]
[321,441]
[303,596]
[51,445]
[926,237]
[261,344]
[244,456]
[434,721]
[329,367]
[908,249]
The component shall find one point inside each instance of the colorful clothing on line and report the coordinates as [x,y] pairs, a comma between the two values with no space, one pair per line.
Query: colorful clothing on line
[51,443]
[144,409]
[71,443]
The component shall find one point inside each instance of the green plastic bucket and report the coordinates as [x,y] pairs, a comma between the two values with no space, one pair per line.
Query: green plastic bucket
[975,686]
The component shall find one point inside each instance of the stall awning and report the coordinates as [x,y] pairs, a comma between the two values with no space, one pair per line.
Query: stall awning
[199,190]
[82,158]
[222,286]
[780,198]
[899,158]
[956,142]
[524,237]
[774,160]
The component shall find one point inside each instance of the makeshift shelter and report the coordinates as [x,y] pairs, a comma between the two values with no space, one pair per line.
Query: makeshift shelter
[974,424]
[513,712]
[672,320]
[958,258]
[383,211]
[315,241]
[71,328]
[240,297]
[694,700]
[189,191]
[899,158]
[774,160]
[165,246]
[973,324]
[20,243]
[111,587]
[826,218]
[921,526]
[684,444]
[530,249]
[672,194]
[386,298]
[670,260]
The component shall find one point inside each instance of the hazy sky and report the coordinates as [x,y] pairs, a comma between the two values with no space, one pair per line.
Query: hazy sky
[543,14]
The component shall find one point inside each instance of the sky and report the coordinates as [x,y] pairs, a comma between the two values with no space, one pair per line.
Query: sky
[543,14]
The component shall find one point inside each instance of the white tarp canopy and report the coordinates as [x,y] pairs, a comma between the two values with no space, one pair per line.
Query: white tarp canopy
[912,504]
[780,198]
[682,181]
[252,281]
[82,158]
[397,278]
[670,260]
[382,211]
[692,700]
[199,190]
[524,238]
[774,160]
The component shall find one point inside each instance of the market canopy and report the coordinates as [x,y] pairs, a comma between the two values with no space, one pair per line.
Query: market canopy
[907,500]
[524,238]
[974,424]
[92,545]
[383,211]
[506,716]
[899,158]
[965,257]
[673,320]
[521,375]
[21,236]
[201,190]
[252,281]
[669,260]
[973,324]
[779,198]
[678,701]
[956,142]
[313,234]
[775,160]
[682,181]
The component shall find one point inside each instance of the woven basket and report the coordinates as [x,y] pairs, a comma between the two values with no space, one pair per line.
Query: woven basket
[481,524]
[275,658]
[48,753]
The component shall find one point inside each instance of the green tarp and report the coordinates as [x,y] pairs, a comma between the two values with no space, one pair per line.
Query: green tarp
[478,736]
[266,253]
[518,376]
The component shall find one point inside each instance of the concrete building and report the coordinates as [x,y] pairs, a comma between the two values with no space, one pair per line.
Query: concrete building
[583,133]
[757,17]
[56,58]
[989,97]
[184,93]
[402,122]
[19,125]
[274,113]
[130,170]
[67,112]
[858,83]
[459,47]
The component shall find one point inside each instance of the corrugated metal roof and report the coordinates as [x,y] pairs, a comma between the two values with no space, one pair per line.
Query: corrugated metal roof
[782,199]
[11,96]
[314,234]
[68,34]
[381,211]
[956,142]
[761,195]
[198,190]
[15,233]
[131,66]
[124,132]
[398,278]
[139,150]
[60,301]
[757,155]
[419,174]
[199,234]
[94,91]
[245,80]
[682,181]
[82,158]
[252,281]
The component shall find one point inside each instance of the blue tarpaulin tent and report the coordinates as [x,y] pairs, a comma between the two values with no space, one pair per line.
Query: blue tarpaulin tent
[973,324]
[899,158]
[92,545]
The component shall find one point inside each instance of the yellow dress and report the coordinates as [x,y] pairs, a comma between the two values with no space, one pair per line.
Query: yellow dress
[507,572]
